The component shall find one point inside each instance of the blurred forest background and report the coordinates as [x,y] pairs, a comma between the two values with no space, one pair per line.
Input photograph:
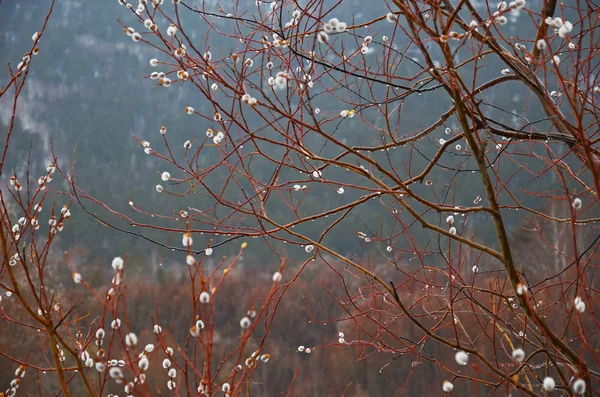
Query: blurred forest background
[89,93]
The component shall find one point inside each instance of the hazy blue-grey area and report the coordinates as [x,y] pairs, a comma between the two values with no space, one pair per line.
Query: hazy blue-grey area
[85,99]
[87,90]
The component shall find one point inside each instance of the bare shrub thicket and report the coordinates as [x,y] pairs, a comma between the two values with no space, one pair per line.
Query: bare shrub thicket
[443,124]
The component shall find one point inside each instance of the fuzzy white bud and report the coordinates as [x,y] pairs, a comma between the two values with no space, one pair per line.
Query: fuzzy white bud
[461,357]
